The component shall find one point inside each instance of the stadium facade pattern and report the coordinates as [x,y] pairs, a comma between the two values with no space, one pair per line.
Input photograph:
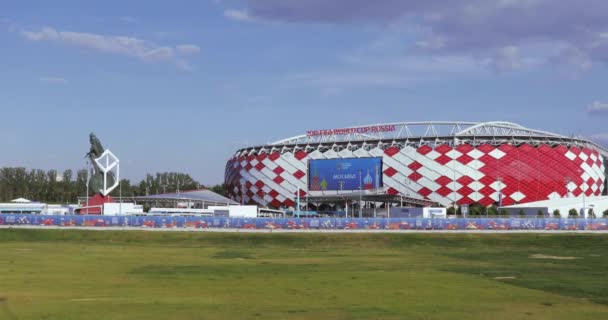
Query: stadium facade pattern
[445,162]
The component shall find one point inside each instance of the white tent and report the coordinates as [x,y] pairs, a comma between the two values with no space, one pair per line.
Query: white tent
[20,200]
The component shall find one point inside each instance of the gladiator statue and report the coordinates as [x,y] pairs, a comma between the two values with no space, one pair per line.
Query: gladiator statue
[96,176]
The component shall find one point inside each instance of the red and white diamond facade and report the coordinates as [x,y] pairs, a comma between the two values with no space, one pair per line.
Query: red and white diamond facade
[470,163]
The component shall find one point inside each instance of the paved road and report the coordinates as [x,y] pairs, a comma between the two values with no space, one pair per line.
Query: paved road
[605,232]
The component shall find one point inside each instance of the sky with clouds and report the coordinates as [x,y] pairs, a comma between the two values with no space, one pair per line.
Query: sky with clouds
[179,85]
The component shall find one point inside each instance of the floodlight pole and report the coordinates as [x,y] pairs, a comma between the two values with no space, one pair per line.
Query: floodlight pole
[298,202]
[360,196]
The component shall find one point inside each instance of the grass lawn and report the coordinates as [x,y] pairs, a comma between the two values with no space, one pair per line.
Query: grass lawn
[73,274]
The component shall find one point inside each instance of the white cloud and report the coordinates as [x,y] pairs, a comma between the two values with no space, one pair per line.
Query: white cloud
[239,15]
[45,33]
[598,107]
[54,80]
[143,50]
[187,49]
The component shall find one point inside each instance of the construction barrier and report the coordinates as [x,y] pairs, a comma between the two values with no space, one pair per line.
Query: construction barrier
[307,223]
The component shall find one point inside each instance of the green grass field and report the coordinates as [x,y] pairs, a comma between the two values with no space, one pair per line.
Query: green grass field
[70,274]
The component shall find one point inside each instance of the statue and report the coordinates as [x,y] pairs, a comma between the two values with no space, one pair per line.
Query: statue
[96,182]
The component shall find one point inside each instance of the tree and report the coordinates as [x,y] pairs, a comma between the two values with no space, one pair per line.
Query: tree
[591,214]
[48,186]
[451,211]
[504,212]
[573,213]
[493,211]
[522,213]
[67,186]
[605,214]
[219,189]
[557,214]
[540,213]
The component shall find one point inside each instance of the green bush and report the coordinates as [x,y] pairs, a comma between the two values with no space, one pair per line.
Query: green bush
[605,214]
[504,212]
[591,214]
[540,213]
[573,213]
[522,213]
[451,211]
[556,213]
[493,211]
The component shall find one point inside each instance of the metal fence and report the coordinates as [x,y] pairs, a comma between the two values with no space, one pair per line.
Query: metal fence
[307,223]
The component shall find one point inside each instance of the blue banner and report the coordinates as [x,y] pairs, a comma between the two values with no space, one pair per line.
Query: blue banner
[345,174]
[167,222]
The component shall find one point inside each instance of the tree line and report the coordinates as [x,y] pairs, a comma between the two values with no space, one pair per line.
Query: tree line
[53,187]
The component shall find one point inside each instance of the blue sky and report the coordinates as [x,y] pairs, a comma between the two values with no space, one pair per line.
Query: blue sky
[180,85]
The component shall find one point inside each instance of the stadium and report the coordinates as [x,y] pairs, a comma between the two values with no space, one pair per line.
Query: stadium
[421,163]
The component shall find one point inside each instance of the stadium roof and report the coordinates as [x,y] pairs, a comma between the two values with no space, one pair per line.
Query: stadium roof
[193,195]
[424,129]
[426,132]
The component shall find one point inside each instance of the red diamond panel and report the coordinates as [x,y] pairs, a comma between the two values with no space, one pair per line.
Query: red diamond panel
[273,193]
[465,148]
[444,191]
[485,148]
[278,179]
[425,192]
[299,174]
[389,172]
[278,170]
[274,156]
[260,184]
[262,157]
[465,191]
[248,166]
[486,191]
[443,159]
[415,176]
[392,191]
[465,200]
[465,180]
[486,201]
[443,149]
[443,180]
[275,203]
[301,155]
[414,166]
[259,166]
[424,150]
[391,151]
[464,159]
[507,148]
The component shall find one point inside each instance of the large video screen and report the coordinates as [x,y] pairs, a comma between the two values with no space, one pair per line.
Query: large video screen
[344,174]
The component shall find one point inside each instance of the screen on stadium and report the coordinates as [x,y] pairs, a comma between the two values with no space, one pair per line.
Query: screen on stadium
[345,174]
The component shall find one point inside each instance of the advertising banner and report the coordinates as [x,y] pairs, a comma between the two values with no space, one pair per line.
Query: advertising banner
[345,174]
[168,222]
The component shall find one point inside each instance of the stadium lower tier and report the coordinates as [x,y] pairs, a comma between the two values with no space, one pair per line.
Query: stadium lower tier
[464,174]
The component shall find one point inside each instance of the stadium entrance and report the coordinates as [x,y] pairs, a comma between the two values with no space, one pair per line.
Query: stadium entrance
[359,204]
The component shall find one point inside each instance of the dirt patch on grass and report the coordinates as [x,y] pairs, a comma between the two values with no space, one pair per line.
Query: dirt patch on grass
[545,256]
[505,278]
